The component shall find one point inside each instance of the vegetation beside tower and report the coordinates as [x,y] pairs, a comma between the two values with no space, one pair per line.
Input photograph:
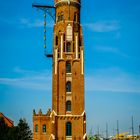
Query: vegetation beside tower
[20,132]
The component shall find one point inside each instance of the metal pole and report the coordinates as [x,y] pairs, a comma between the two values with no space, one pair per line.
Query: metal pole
[106,131]
[45,29]
[118,129]
[139,129]
[113,131]
[132,128]
[98,131]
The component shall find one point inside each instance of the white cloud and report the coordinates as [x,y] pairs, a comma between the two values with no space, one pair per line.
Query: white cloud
[28,23]
[23,71]
[30,80]
[26,72]
[104,26]
[112,79]
[36,83]
[109,49]
[10,21]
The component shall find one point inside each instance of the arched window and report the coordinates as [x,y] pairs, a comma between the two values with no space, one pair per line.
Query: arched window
[68,86]
[68,47]
[68,106]
[36,128]
[62,16]
[68,67]
[68,129]
[44,128]
[58,18]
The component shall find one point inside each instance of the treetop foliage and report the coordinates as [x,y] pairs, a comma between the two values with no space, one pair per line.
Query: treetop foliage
[20,132]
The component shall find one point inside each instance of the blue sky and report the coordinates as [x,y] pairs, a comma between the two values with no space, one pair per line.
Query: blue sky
[111,30]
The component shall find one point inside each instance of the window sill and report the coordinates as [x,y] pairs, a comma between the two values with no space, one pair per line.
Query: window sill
[68,112]
[68,52]
[43,133]
[68,74]
[68,92]
[68,137]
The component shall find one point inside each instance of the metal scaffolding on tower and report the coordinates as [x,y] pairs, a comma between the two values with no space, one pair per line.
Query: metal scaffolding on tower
[50,10]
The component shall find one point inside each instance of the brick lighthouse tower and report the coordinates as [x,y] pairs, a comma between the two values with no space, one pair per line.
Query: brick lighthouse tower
[67,119]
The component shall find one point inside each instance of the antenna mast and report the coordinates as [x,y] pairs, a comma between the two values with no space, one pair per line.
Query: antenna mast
[132,128]
[118,129]
[106,130]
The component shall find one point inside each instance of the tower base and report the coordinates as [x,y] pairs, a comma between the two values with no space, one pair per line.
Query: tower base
[51,126]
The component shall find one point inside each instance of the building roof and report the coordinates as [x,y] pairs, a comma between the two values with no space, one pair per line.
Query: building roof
[8,121]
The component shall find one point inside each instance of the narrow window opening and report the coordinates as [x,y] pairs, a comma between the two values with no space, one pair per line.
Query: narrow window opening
[68,47]
[64,47]
[68,106]
[64,37]
[36,128]
[75,16]
[68,67]
[44,128]
[56,40]
[62,16]
[68,129]
[68,86]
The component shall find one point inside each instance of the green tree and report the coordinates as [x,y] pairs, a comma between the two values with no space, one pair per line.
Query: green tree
[96,137]
[13,133]
[90,136]
[24,132]
[20,132]
[4,129]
